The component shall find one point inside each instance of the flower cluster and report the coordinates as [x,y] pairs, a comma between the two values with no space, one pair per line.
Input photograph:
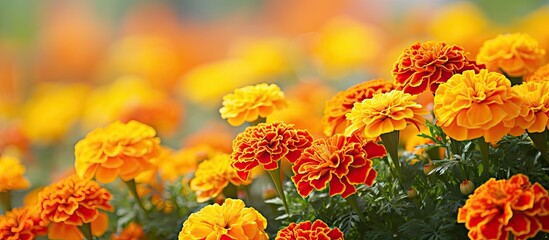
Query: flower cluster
[502,207]
[21,223]
[307,230]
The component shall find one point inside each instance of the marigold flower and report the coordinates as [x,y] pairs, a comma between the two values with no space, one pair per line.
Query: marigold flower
[212,176]
[515,54]
[21,224]
[71,203]
[472,105]
[12,174]
[426,65]
[384,113]
[534,116]
[334,120]
[132,231]
[231,220]
[307,230]
[340,162]
[266,144]
[539,75]
[250,102]
[119,149]
[500,207]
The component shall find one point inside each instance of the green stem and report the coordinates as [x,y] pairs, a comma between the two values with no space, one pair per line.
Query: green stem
[455,146]
[5,200]
[86,230]
[230,191]
[390,141]
[133,189]
[540,142]
[258,121]
[485,153]
[514,80]
[275,176]
[353,202]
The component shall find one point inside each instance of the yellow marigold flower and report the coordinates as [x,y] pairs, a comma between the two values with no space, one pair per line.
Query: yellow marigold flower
[212,176]
[334,119]
[232,220]
[11,174]
[500,207]
[71,203]
[514,54]
[119,149]
[384,113]
[539,75]
[534,116]
[472,105]
[250,102]
[426,65]
[132,231]
[21,223]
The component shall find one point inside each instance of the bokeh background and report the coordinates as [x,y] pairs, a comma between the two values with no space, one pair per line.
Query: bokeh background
[67,67]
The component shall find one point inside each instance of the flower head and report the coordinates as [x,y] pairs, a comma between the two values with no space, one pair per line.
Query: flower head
[500,207]
[334,120]
[515,54]
[266,144]
[340,162]
[119,149]
[231,220]
[71,203]
[472,105]
[539,75]
[534,115]
[384,113]
[250,102]
[21,223]
[11,174]
[426,65]
[132,231]
[307,230]
[212,176]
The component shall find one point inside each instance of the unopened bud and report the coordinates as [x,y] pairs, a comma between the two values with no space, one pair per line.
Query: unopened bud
[411,193]
[467,187]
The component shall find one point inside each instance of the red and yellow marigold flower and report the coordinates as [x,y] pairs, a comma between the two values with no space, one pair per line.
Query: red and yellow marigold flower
[339,162]
[424,66]
[21,224]
[71,203]
[212,176]
[119,149]
[385,113]
[249,103]
[267,144]
[472,105]
[541,74]
[515,54]
[306,230]
[132,231]
[12,174]
[534,116]
[334,119]
[500,207]
[231,220]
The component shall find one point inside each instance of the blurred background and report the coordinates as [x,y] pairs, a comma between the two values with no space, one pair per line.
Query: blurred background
[67,67]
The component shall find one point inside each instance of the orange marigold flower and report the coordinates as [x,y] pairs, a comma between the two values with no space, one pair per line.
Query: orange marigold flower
[231,220]
[71,203]
[266,144]
[500,207]
[334,120]
[212,176]
[426,65]
[539,75]
[12,174]
[515,54]
[340,162]
[21,224]
[472,105]
[307,230]
[250,102]
[384,113]
[534,115]
[132,231]
[119,149]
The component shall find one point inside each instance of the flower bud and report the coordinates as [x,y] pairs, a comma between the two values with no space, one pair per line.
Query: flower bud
[411,193]
[466,187]
[427,168]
